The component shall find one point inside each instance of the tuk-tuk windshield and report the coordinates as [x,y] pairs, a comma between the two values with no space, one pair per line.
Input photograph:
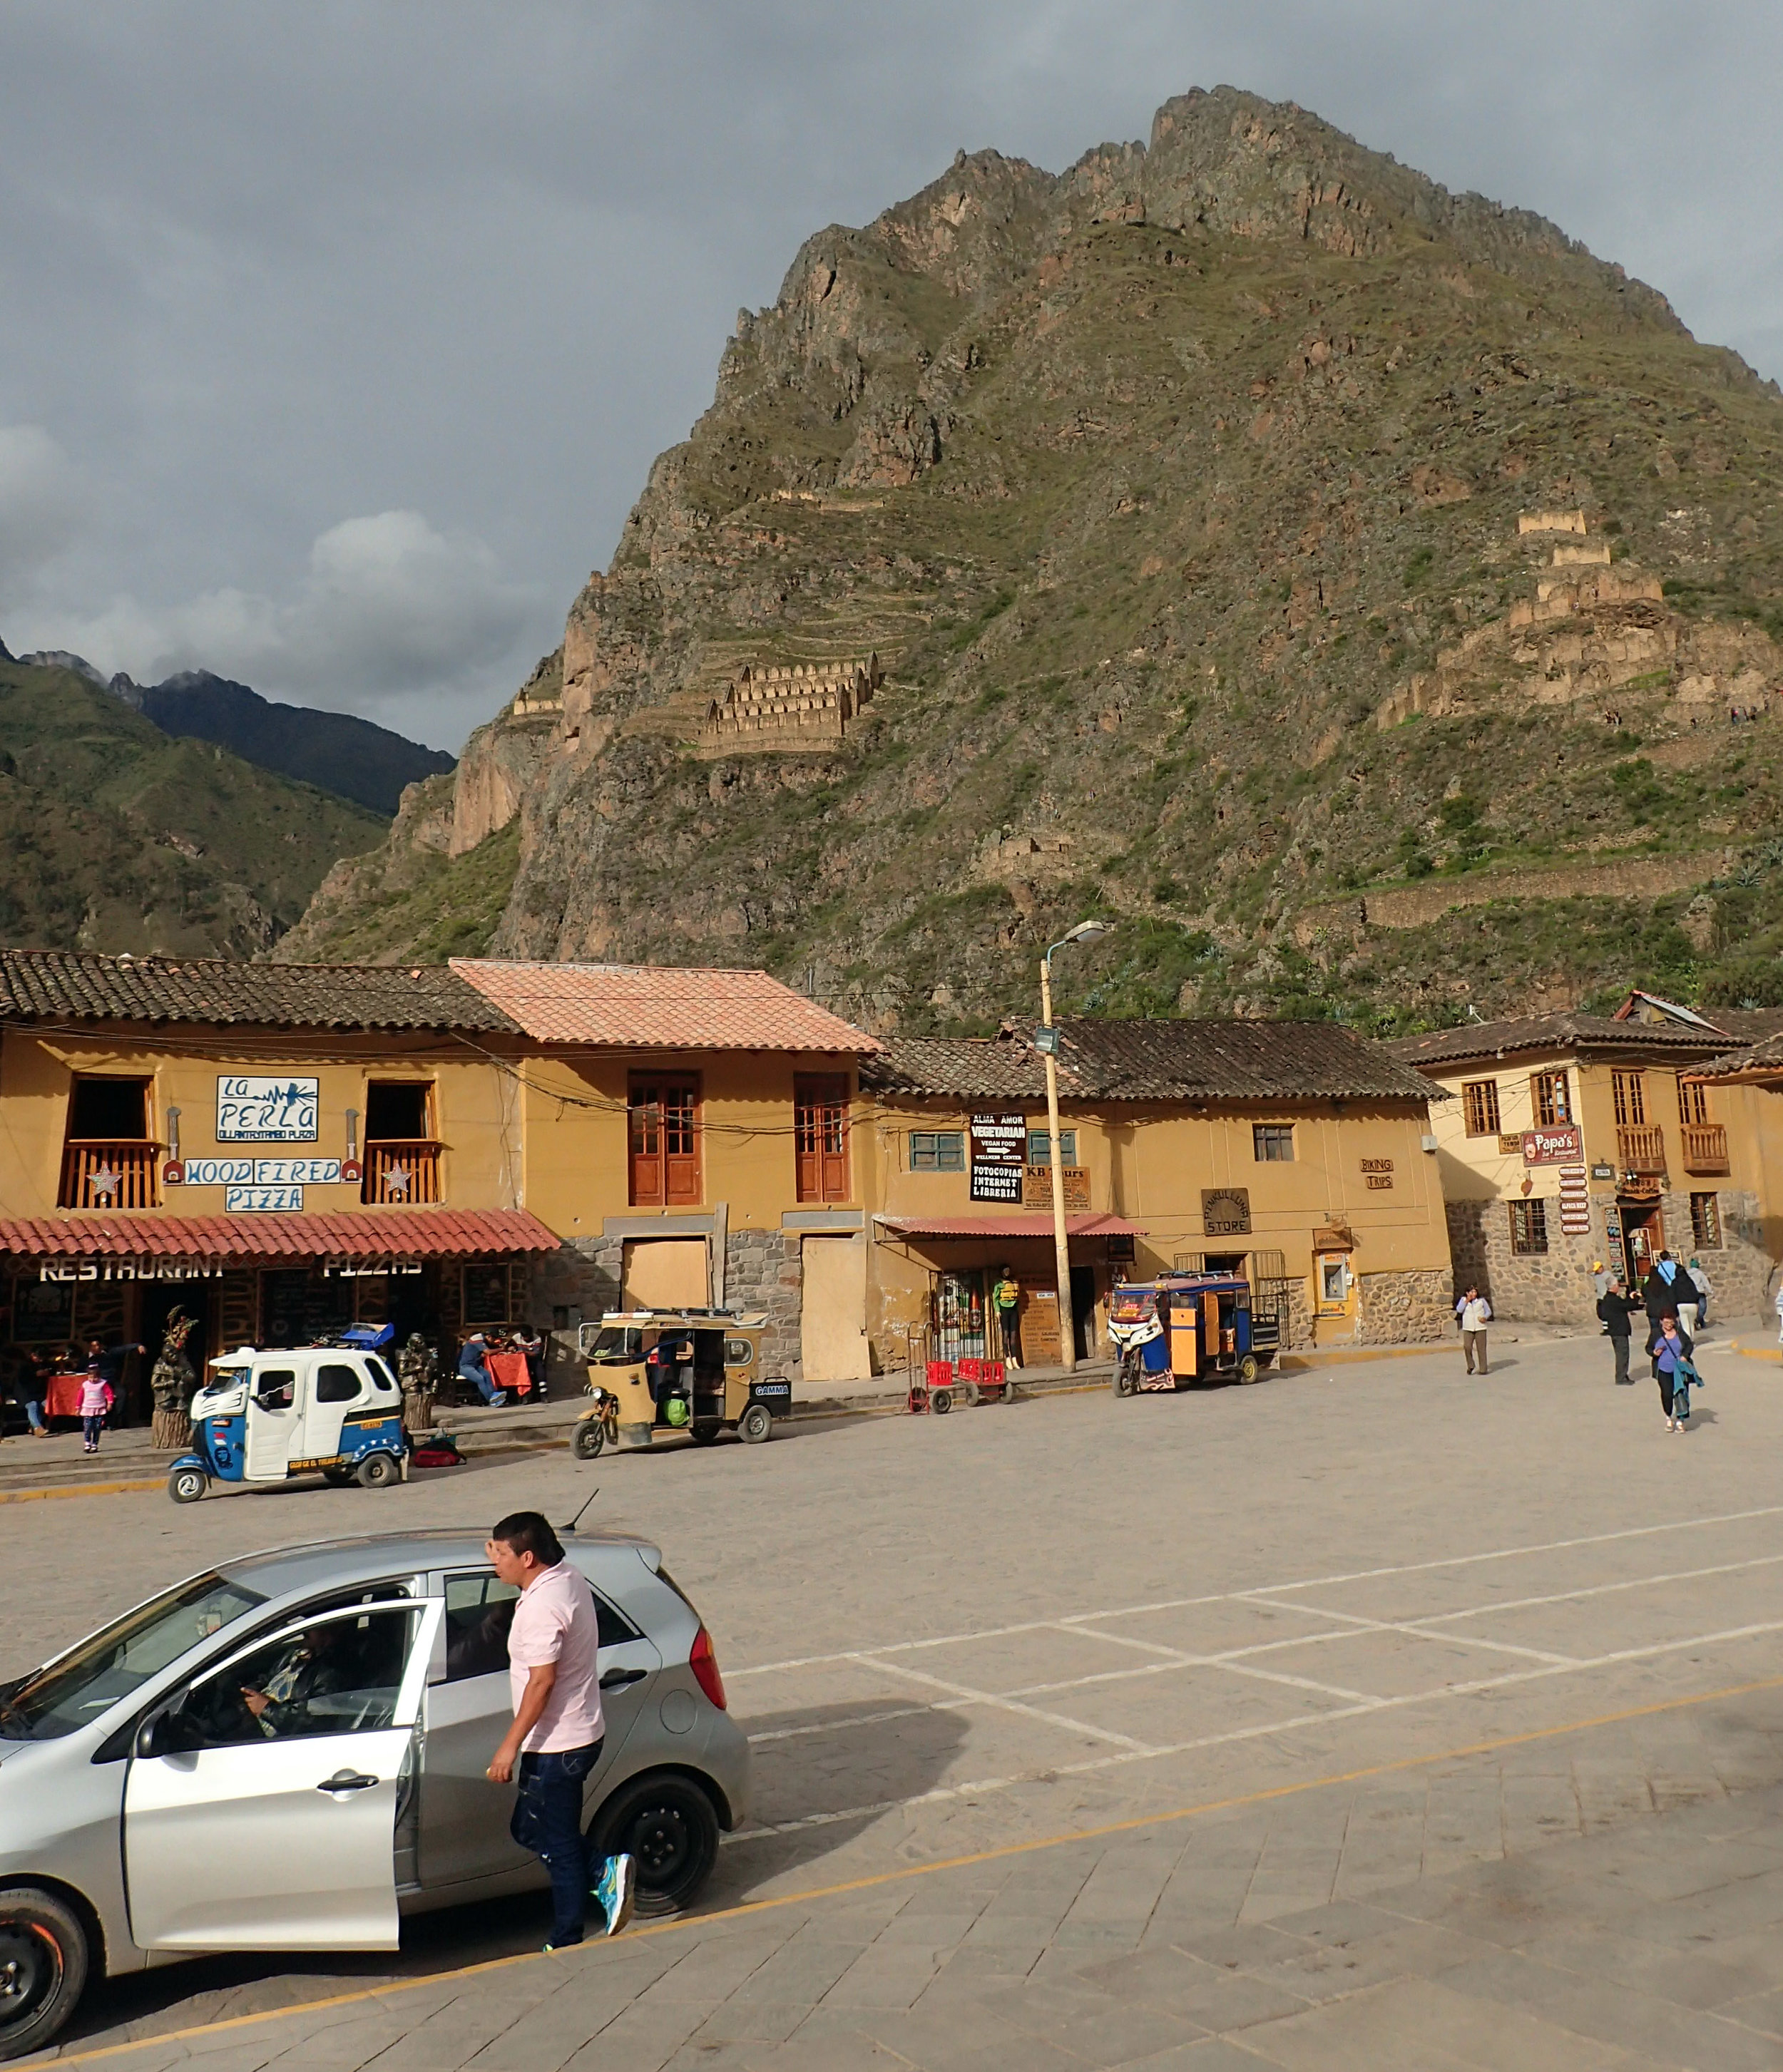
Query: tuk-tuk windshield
[1133,1306]
[618,1345]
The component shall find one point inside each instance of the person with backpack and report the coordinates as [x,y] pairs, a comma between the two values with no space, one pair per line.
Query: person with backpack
[1614,1307]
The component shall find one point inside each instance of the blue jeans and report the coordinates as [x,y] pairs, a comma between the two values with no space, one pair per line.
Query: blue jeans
[479,1379]
[548,1821]
[34,1414]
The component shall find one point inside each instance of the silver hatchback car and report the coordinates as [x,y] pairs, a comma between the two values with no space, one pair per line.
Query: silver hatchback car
[147,1813]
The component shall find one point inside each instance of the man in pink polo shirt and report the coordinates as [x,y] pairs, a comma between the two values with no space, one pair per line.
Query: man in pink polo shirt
[553,1671]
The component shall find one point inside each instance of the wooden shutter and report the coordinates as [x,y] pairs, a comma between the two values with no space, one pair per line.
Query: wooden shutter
[664,1142]
[820,1133]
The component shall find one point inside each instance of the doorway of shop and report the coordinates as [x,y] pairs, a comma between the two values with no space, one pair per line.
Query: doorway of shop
[1643,1237]
[1083,1311]
[160,1299]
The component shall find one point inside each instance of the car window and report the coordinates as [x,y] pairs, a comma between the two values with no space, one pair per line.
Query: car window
[337,1383]
[274,1388]
[337,1676]
[121,1657]
[382,1380]
[738,1352]
[479,1609]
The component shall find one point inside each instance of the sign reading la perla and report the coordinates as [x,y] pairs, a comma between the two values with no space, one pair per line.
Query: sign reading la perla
[261,1172]
[252,1108]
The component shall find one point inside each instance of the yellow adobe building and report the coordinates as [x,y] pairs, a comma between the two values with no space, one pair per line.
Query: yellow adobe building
[1292,1152]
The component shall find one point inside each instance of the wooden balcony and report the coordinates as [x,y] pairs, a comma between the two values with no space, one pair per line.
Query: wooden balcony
[1640,1148]
[401,1172]
[98,1175]
[1705,1147]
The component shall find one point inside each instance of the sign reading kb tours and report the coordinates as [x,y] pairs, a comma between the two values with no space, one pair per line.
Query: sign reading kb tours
[998,1156]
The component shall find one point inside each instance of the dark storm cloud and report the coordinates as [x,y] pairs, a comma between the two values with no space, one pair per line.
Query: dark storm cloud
[335,341]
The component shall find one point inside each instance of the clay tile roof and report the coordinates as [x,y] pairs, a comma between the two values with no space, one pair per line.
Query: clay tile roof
[1764,1059]
[641,1007]
[60,985]
[347,1233]
[1484,1040]
[1152,1061]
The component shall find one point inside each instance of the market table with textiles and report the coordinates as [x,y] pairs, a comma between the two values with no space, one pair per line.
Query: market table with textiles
[62,1396]
[509,1371]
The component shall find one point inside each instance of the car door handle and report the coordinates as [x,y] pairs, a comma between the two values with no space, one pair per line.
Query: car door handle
[347,1780]
[616,1679]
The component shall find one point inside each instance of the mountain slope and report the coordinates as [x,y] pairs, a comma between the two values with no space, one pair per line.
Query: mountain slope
[1186,498]
[336,752]
[115,837]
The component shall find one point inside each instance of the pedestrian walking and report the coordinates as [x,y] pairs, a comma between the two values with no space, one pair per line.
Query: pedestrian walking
[553,1675]
[1613,1308]
[1005,1299]
[112,1360]
[96,1398]
[1673,1371]
[1474,1312]
[1601,1279]
[1664,1287]
[1705,1288]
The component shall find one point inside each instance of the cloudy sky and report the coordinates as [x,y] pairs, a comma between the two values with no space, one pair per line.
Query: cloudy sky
[336,339]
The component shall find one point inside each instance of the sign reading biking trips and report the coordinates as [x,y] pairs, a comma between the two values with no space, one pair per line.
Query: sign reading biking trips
[251,1109]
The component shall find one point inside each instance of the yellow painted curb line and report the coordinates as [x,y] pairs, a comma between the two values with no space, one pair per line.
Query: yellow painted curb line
[1344,1355]
[1768,1352]
[1168,1818]
[76,1488]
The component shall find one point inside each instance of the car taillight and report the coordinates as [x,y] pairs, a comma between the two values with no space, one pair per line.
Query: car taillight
[704,1662]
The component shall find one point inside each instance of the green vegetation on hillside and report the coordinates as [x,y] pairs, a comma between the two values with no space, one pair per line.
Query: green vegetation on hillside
[115,837]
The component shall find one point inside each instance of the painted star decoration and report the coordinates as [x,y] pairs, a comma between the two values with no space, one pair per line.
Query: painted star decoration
[396,1180]
[103,1182]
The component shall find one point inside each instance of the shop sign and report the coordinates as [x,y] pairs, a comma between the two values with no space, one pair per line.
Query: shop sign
[1603,1172]
[130,1269]
[1226,1211]
[998,1155]
[1560,1146]
[262,1201]
[1378,1174]
[1037,1187]
[252,1108]
[368,1269]
[261,1172]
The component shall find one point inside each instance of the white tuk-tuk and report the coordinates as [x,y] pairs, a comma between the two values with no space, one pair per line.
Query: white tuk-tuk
[335,1411]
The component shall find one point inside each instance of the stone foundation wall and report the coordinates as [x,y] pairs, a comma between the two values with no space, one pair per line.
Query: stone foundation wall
[1405,1309]
[1556,1286]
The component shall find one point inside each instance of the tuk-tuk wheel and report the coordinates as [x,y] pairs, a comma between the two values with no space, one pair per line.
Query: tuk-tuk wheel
[338,1478]
[706,1429]
[755,1423]
[187,1485]
[379,1471]
[1126,1379]
[1247,1369]
[587,1439]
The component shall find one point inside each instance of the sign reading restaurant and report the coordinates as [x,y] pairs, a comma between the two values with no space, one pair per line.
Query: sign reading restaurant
[252,1108]
[998,1156]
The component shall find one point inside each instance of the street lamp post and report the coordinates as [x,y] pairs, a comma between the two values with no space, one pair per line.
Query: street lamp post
[1086,931]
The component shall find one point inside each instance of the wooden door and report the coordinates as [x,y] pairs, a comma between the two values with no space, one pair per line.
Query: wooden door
[820,1132]
[664,1142]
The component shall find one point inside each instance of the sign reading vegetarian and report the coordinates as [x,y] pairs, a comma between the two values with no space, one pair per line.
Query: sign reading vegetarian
[998,1149]
[251,1109]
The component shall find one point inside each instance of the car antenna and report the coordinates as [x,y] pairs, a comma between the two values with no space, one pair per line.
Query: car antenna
[577,1520]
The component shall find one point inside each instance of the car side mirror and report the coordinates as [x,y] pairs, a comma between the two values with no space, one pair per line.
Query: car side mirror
[172,1732]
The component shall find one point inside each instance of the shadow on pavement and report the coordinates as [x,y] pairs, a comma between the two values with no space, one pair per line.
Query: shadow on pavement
[813,1765]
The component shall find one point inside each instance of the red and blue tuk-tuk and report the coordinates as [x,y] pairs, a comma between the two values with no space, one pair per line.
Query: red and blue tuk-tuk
[1185,1327]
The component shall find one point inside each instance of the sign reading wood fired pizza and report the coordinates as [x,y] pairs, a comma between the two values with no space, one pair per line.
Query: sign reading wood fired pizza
[1226,1211]
[1563,1144]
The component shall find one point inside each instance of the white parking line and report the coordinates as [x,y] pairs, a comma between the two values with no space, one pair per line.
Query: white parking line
[963,1694]
[1175,1658]
[1072,1619]
[1423,1633]
[943,1793]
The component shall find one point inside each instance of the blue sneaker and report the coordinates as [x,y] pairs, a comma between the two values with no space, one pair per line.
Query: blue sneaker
[616,1891]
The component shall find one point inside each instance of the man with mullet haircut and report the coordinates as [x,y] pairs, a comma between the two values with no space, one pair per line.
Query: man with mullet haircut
[554,1671]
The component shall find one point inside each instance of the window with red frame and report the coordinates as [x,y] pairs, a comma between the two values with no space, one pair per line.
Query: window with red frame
[664,1141]
[820,1136]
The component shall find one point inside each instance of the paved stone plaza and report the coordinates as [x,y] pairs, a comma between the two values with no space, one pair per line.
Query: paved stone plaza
[1372,1716]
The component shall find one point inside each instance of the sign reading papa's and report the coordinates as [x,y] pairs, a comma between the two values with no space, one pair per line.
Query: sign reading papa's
[251,1109]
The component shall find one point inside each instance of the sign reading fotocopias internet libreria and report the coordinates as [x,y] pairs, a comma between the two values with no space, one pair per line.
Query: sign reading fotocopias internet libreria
[251,1109]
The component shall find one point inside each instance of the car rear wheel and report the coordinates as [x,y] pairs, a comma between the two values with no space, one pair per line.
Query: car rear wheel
[379,1471]
[666,1823]
[42,1968]
[587,1441]
[187,1485]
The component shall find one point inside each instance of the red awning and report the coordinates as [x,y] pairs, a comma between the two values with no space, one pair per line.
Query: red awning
[376,1233]
[1100,1224]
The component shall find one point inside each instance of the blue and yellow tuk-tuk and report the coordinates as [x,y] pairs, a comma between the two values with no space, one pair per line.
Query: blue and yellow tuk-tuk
[1185,1327]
